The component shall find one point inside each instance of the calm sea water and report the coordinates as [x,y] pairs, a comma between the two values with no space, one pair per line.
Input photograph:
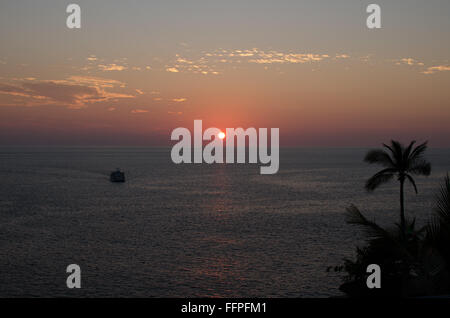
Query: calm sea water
[187,230]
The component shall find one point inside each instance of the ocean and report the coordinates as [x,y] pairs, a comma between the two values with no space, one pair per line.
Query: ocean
[220,230]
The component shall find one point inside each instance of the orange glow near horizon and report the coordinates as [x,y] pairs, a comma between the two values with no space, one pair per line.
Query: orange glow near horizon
[339,85]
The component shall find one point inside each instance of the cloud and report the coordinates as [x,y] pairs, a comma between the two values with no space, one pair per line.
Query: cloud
[111,67]
[92,58]
[13,90]
[93,81]
[408,61]
[174,113]
[73,92]
[179,100]
[292,58]
[429,70]
[102,64]
[215,62]
[139,111]
[183,60]
[195,66]
[65,93]
[434,69]
[342,56]
[140,92]
[258,56]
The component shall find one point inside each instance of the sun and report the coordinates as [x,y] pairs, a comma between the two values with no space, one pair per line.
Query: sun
[221,135]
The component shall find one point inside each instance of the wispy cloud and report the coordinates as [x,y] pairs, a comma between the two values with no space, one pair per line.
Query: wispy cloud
[259,56]
[434,69]
[409,61]
[112,67]
[421,65]
[95,63]
[73,92]
[292,58]
[14,90]
[342,56]
[94,81]
[92,58]
[215,62]
[139,111]
[179,100]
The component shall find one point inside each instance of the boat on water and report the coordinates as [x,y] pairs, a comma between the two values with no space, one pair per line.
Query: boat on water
[117,176]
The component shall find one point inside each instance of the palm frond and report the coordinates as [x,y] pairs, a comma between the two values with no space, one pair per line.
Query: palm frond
[379,156]
[443,203]
[419,151]
[373,230]
[412,181]
[394,152]
[390,148]
[407,151]
[398,152]
[420,167]
[379,178]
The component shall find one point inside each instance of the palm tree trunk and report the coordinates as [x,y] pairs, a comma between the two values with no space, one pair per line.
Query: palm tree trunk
[402,208]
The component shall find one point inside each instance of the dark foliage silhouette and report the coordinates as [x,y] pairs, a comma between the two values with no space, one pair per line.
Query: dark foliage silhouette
[415,261]
[401,162]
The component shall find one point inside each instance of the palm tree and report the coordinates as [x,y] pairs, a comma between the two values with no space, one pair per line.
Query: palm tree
[439,228]
[443,205]
[400,162]
[386,247]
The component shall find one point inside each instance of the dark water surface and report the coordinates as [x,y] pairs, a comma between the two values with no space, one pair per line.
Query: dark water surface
[187,230]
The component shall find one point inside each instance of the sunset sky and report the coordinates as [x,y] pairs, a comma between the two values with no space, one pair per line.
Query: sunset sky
[138,69]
